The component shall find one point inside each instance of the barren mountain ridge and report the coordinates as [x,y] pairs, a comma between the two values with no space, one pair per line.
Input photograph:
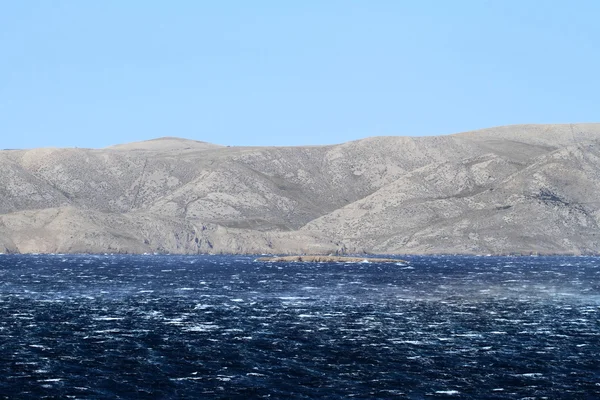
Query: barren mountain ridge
[514,189]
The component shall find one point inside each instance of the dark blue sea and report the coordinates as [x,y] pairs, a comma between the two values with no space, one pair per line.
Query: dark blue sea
[228,327]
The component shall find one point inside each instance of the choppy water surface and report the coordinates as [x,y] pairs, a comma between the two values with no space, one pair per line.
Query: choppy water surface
[228,327]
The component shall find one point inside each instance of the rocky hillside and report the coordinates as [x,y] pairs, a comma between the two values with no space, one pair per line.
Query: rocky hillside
[515,189]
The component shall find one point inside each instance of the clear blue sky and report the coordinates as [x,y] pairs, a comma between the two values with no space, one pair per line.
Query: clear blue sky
[96,73]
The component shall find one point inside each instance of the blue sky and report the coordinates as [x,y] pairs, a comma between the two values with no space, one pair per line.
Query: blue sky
[95,73]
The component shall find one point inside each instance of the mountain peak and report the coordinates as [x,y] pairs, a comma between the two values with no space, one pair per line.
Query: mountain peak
[167,143]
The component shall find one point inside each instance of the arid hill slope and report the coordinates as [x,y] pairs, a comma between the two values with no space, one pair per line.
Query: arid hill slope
[515,189]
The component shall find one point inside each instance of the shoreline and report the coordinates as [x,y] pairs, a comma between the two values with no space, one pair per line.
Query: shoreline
[360,256]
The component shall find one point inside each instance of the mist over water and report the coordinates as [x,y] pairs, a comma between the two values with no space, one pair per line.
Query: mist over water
[229,327]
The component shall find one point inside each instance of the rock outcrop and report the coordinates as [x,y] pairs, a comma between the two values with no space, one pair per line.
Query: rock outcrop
[330,259]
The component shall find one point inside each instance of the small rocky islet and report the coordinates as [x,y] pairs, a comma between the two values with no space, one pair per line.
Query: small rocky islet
[330,259]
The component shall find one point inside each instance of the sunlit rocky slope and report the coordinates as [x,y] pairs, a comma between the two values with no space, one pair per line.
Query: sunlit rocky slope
[514,189]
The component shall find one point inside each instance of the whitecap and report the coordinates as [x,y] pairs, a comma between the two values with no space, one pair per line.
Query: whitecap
[202,328]
[293,298]
[174,321]
[188,378]
[448,392]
